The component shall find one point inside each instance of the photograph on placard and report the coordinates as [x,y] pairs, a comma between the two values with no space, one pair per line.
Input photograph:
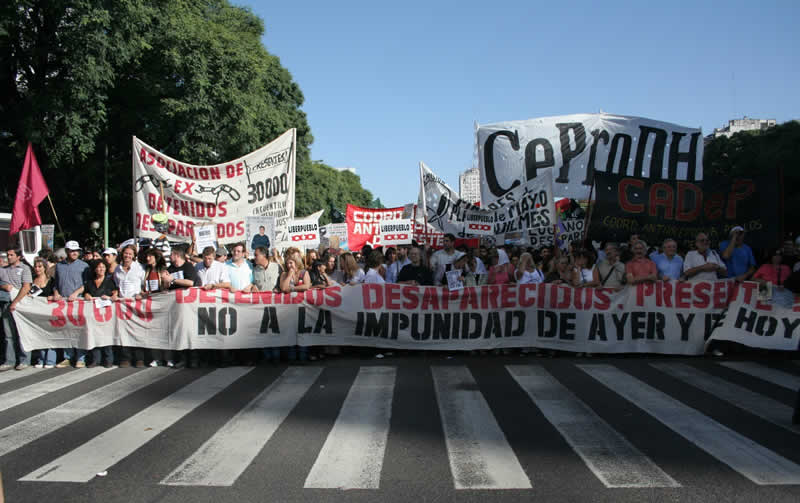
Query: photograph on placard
[260,231]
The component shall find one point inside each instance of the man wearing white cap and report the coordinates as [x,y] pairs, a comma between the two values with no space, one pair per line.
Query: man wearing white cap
[71,274]
[738,256]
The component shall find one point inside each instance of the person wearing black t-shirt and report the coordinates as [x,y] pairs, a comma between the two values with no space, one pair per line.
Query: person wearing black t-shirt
[415,273]
[101,286]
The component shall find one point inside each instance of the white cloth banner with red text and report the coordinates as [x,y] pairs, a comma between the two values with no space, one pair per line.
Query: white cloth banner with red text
[665,318]
[262,183]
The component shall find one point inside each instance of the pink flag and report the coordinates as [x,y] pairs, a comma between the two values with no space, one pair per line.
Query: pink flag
[31,191]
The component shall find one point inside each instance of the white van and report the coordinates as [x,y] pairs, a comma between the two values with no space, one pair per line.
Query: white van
[30,240]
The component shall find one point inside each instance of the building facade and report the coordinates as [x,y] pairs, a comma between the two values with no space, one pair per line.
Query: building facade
[469,185]
[744,124]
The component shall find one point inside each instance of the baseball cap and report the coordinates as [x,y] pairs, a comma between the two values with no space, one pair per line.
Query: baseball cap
[128,242]
[109,251]
[72,245]
[737,228]
[221,251]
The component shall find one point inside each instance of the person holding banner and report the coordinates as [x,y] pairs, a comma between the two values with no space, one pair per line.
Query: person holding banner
[101,287]
[42,286]
[266,272]
[18,283]
[703,263]
[240,271]
[295,279]
[668,263]
[129,278]
[776,273]
[352,273]
[609,273]
[374,267]
[527,273]
[155,281]
[501,271]
[211,273]
[582,269]
[640,269]
[415,273]
[71,274]
[443,260]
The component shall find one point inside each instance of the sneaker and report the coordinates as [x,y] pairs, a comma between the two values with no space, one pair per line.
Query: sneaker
[49,366]
[717,352]
[21,366]
[108,365]
[170,364]
[154,363]
[63,364]
[124,364]
[139,364]
[80,364]
[39,365]
[6,366]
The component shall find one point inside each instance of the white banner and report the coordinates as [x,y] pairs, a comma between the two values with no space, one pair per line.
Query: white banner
[261,183]
[396,232]
[334,236]
[304,233]
[573,146]
[666,318]
[527,209]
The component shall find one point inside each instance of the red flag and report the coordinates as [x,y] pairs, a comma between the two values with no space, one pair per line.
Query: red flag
[31,191]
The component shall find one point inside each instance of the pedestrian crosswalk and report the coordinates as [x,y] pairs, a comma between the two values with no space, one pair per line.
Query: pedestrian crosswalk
[483,451]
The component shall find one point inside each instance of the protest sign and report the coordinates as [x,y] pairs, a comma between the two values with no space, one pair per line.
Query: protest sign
[334,236]
[662,209]
[573,147]
[364,225]
[262,183]
[396,232]
[304,233]
[663,317]
[260,232]
[205,236]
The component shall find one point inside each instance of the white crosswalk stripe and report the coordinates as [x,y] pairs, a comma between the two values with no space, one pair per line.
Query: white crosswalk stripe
[223,458]
[108,448]
[352,456]
[41,388]
[17,435]
[480,456]
[750,459]
[774,376]
[764,407]
[11,375]
[353,453]
[608,454]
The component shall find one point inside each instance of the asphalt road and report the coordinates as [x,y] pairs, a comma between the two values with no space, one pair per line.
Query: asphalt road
[406,428]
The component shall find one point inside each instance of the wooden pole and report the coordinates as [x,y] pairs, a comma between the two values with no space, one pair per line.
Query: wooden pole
[57,222]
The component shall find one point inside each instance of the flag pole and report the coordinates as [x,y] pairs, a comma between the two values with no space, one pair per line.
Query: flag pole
[56,216]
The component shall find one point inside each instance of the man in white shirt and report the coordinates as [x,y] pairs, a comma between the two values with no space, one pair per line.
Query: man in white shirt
[240,271]
[445,259]
[703,264]
[129,277]
[212,274]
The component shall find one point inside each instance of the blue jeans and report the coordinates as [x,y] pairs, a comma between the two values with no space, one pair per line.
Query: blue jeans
[272,354]
[107,354]
[297,353]
[14,353]
[74,355]
[47,356]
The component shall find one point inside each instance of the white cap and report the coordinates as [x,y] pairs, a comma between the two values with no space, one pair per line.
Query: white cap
[737,228]
[109,251]
[72,245]
[128,242]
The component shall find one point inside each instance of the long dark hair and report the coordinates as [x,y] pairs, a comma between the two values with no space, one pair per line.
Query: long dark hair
[161,264]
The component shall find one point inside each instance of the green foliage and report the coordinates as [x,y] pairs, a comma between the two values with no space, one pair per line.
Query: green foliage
[776,149]
[192,78]
[320,186]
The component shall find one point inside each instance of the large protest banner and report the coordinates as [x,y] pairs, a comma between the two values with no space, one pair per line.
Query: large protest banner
[663,317]
[659,209]
[527,210]
[364,225]
[261,183]
[573,147]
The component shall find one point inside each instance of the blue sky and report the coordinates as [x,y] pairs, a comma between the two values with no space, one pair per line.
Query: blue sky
[390,84]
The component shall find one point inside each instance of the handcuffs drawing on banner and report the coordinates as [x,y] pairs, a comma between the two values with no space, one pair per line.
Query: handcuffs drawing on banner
[215,191]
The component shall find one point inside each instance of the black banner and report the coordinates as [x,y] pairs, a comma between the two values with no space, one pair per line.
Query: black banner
[660,209]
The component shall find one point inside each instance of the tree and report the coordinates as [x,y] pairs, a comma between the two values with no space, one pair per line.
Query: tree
[323,187]
[191,78]
[756,153]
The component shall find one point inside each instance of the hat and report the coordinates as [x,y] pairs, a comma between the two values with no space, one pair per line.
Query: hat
[737,228]
[221,251]
[72,245]
[128,242]
[109,251]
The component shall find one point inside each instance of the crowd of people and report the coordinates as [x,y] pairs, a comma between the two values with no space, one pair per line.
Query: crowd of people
[149,267]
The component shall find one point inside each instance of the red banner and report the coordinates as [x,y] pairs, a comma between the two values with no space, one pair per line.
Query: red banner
[364,225]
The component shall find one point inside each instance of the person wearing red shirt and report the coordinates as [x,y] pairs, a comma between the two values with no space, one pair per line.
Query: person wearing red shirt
[640,269]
